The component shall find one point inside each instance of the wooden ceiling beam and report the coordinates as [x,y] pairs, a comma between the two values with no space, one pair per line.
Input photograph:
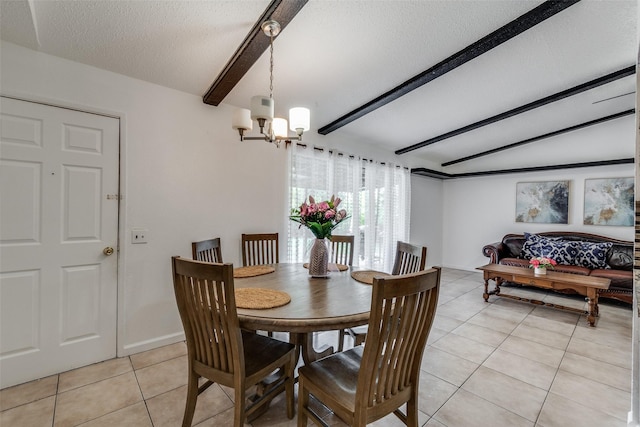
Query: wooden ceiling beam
[625,72]
[253,46]
[442,175]
[541,137]
[485,44]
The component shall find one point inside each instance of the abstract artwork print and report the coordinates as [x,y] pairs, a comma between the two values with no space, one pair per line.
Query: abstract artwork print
[542,202]
[609,201]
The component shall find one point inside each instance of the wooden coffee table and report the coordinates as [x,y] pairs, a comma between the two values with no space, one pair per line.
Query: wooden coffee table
[587,286]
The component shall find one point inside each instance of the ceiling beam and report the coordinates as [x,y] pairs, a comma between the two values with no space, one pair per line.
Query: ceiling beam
[430,173]
[625,72]
[540,137]
[253,46]
[485,44]
[442,175]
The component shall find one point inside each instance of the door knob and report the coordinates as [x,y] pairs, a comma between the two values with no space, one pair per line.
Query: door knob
[108,251]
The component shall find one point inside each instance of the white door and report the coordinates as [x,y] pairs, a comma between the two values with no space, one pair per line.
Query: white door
[58,213]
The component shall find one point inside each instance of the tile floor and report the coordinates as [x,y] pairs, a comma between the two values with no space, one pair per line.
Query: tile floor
[505,363]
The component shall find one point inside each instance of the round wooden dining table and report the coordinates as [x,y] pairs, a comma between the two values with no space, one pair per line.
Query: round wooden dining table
[317,304]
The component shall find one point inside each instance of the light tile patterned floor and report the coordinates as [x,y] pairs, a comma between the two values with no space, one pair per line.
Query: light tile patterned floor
[504,363]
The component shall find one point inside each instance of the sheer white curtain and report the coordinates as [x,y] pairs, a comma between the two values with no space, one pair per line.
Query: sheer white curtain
[386,202]
[320,174]
[376,196]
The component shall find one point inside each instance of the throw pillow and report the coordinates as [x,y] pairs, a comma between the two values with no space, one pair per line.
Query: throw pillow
[561,251]
[592,255]
[531,246]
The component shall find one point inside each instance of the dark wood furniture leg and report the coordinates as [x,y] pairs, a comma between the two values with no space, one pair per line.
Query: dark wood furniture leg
[593,313]
[496,289]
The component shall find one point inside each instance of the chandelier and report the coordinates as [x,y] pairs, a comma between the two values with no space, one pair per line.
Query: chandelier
[272,129]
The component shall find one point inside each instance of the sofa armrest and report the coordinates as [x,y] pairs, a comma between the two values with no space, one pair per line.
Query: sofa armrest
[494,251]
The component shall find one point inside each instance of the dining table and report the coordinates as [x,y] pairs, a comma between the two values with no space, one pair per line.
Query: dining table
[317,304]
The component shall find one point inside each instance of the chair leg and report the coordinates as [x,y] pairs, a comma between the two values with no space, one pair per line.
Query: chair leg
[289,388]
[303,403]
[359,339]
[412,409]
[341,336]
[192,397]
[239,407]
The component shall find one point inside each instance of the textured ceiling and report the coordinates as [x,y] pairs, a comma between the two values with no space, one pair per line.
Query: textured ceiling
[337,55]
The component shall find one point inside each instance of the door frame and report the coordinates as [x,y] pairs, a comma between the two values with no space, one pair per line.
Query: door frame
[122,183]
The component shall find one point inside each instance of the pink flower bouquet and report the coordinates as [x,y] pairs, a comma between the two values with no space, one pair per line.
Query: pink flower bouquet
[319,217]
[542,262]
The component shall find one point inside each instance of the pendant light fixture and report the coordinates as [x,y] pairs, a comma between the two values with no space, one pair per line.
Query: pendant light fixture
[262,108]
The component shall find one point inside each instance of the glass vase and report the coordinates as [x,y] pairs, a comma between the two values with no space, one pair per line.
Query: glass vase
[319,259]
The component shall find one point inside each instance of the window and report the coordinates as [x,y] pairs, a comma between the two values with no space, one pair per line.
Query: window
[377,197]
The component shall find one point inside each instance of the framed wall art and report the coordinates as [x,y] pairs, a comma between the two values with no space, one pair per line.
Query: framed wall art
[542,202]
[609,201]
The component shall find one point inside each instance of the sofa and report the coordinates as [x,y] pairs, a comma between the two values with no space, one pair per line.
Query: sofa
[576,253]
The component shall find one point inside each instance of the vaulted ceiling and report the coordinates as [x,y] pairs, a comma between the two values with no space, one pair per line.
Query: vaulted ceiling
[453,88]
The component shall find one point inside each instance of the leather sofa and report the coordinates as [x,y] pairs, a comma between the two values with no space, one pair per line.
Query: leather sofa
[617,262]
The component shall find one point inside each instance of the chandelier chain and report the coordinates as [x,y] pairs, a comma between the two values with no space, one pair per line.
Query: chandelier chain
[271,65]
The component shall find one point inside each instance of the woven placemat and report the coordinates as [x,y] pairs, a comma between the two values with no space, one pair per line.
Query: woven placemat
[252,270]
[366,276]
[331,267]
[257,298]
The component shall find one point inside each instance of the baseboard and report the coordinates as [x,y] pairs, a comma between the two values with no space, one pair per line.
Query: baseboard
[151,344]
[462,267]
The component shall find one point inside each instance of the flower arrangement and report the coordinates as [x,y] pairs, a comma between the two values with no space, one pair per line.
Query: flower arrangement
[319,217]
[542,262]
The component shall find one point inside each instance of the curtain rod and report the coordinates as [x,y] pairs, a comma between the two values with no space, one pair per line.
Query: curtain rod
[351,156]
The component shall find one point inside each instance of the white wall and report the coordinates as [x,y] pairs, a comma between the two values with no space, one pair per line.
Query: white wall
[427,216]
[185,177]
[478,211]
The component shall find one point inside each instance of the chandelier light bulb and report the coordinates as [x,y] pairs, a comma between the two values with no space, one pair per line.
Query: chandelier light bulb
[242,119]
[299,118]
[279,126]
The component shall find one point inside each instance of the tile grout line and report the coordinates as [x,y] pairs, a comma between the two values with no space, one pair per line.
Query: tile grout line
[55,402]
[471,374]
[564,353]
[135,374]
[481,364]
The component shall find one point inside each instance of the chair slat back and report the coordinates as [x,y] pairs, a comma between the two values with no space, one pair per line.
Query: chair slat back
[260,249]
[206,302]
[342,249]
[402,312]
[409,258]
[207,250]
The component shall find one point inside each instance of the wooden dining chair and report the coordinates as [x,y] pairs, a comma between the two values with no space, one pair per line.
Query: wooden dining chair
[408,259]
[341,252]
[260,249]
[342,249]
[365,383]
[207,250]
[218,350]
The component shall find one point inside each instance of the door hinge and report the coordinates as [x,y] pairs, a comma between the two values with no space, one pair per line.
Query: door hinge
[114,197]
